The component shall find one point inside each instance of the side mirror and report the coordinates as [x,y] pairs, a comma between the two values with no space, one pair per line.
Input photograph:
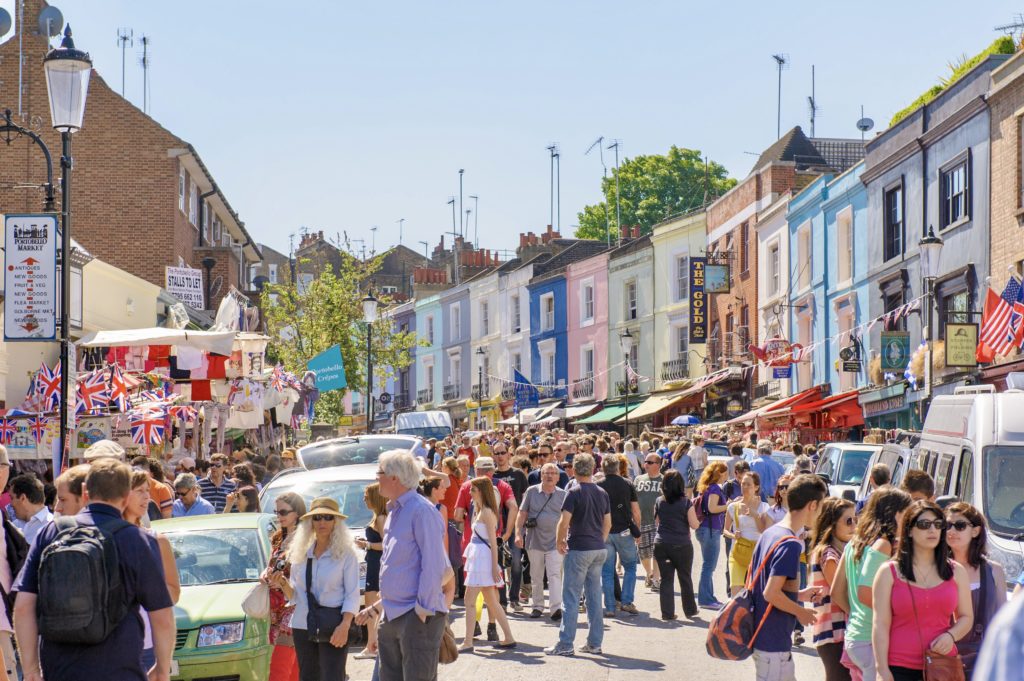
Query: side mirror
[946,500]
[850,495]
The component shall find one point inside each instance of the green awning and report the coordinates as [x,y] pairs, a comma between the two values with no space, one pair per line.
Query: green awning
[607,415]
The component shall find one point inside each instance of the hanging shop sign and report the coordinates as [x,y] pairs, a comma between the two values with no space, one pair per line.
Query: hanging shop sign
[961,343]
[185,284]
[30,277]
[850,357]
[328,369]
[895,350]
[716,279]
[698,302]
[782,372]
[734,408]
[776,352]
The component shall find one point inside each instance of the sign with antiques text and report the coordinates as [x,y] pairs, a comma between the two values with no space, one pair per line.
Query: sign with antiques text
[30,277]
[698,302]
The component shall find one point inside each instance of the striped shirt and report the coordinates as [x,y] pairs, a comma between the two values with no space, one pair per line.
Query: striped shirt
[216,495]
[830,625]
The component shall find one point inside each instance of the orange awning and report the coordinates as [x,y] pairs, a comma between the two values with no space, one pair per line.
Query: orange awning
[801,397]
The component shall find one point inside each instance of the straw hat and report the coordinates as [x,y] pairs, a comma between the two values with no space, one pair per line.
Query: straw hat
[324,506]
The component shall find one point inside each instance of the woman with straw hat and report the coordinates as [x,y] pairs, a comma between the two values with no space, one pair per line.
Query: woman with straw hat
[324,581]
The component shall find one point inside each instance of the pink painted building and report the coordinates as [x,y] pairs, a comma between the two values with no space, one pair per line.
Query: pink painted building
[586,291]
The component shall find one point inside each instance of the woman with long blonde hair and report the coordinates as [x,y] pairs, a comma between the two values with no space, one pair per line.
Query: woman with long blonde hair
[712,502]
[481,562]
[373,544]
[289,507]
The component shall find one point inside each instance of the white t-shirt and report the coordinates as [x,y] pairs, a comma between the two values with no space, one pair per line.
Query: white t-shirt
[699,455]
[744,525]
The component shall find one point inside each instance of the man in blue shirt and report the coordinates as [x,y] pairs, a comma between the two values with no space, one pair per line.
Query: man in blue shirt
[767,468]
[1002,653]
[188,501]
[118,657]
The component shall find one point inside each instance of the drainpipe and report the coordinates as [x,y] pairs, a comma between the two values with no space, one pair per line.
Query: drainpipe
[202,213]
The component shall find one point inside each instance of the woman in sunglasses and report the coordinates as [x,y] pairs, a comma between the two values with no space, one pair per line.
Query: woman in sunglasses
[967,537]
[373,544]
[917,596]
[289,507]
[780,503]
[832,530]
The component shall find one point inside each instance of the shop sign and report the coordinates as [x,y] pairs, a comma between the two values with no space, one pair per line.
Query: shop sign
[895,350]
[782,372]
[698,302]
[961,344]
[185,284]
[886,405]
[734,408]
[776,352]
[329,369]
[716,279]
[30,277]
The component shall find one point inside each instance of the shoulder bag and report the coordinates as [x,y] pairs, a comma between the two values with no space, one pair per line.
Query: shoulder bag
[321,621]
[257,602]
[449,651]
[532,522]
[936,667]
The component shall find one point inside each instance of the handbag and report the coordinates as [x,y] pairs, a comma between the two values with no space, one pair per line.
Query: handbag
[691,476]
[320,621]
[257,602]
[936,667]
[449,651]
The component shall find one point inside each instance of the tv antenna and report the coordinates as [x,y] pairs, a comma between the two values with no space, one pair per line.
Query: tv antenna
[401,223]
[126,39]
[373,243]
[864,124]
[618,213]
[476,219]
[1015,29]
[600,149]
[145,63]
[556,184]
[781,61]
[812,103]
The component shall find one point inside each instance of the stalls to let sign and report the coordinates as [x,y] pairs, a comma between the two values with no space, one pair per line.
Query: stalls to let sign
[185,284]
[698,302]
[30,277]
[961,344]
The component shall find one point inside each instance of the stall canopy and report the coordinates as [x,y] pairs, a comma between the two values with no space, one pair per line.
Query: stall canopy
[808,395]
[842,406]
[581,410]
[655,403]
[532,415]
[218,342]
[705,382]
[607,415]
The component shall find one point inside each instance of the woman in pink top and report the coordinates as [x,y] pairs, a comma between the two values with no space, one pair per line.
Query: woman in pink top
[922,598]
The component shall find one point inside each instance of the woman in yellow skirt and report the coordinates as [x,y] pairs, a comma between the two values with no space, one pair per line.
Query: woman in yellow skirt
[745,520]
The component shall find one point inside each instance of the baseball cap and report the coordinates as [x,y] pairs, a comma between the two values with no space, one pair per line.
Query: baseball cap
[104,448]
[188,462]
[484,463]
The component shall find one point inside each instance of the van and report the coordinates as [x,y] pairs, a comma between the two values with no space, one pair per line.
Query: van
[424,424]
[972,445]
[843,466]
[897,456]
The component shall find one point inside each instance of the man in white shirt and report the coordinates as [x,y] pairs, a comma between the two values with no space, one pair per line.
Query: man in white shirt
[27,500]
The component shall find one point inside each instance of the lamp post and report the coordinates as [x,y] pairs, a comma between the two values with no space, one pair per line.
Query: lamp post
[369,316]
[480,385]
[626,343]
[67,84]
[930,248]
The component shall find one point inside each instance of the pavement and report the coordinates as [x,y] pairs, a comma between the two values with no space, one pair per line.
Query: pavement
[632,643]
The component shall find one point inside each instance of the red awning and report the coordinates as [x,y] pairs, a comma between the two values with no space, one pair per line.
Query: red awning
[801,397]
[842,409]
[830,402]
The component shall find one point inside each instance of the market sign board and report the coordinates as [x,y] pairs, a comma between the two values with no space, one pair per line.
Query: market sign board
[30,277]
[329,369]
[185,284]
[716,278]
[895,350]
[961,343]
[698,302]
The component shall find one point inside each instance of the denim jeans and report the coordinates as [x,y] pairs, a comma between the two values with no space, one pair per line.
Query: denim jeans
[710,545]
[581,571]
[623,548]
[516,580]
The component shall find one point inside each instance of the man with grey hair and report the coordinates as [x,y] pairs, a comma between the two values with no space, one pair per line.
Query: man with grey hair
[767,468]
[580,537]
[538,516]
[188,501]
[414,566]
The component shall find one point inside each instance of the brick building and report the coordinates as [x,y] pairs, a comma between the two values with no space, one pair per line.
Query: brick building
[142,198]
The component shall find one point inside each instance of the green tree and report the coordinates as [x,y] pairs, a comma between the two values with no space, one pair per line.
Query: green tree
[652,188]
[304,320]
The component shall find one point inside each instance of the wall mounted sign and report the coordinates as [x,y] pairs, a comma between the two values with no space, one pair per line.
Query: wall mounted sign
[185,284]
[30,277]
[895,350]
[716,279]
[698,302]
[961,344]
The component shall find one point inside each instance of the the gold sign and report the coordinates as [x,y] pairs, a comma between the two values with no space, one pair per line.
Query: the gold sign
[961,344]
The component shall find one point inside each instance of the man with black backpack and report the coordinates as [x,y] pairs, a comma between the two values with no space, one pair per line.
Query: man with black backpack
[76,615]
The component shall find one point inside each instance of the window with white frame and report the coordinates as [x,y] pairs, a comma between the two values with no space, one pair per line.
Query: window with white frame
[844,231]
[682,278]
[634,352]
[181,190]
[587,302]
[430,329]
[254,270]
[455,364]
[206,222]
[547,312]
[587,361]
[193,202]
[517,318]
[803,260]
[272,271]
[517,362]
[456,312]
[305,281]
[217,229]
[548,367]
[429,369]
[805,368]
[774,268]
[630,298]
[954,193]
[485,322]
[682,342]
[844,321]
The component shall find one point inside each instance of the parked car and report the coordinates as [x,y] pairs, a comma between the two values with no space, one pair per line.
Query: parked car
[842,465]
[897,456]
[219,558]
[357,449]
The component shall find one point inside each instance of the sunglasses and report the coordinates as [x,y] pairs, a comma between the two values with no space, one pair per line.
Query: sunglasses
[284,513]
[651,463]
[782,488]
[216,465]
[181,494]
[322,517]
[921,524]
[959,525]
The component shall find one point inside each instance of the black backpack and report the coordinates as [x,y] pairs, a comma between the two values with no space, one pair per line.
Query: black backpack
[81,596]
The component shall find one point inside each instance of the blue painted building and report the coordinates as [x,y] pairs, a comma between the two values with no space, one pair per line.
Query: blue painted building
[403,381]
[428,354]
[456,361]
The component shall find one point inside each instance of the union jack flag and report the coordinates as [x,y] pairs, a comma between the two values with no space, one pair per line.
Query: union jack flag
[277,379]
[119,390]
[93,393]
[184,412]
[37,425]
[147,427]
[48,385]
[7,430]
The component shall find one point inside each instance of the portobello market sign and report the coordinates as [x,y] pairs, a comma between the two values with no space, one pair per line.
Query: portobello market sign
[698,302]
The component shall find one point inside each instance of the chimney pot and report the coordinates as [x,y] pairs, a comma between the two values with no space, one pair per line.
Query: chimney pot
[636,231]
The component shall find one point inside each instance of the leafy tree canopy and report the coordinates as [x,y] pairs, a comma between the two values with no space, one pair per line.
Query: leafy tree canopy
[652,188]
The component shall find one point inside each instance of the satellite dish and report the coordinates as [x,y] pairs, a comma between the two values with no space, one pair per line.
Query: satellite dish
[51,22]
[5,21]
[215,286]
[865,124]
[260,281]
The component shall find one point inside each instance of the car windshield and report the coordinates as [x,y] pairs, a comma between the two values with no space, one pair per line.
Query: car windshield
[1004,489]
[217,556]
[348,493]
[344,453]
[853,466]
[717,449]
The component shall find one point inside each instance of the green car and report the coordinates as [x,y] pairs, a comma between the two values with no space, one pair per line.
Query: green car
[220,558]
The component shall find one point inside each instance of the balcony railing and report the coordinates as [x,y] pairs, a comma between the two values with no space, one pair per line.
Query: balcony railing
[772,389]
[425,396]
[401,401]
[508,391]
[584,388]
[550,392]
[620,387]
[484,394]
[675,369]
[452,392]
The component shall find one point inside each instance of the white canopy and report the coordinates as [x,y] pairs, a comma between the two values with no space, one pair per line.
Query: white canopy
[219,342]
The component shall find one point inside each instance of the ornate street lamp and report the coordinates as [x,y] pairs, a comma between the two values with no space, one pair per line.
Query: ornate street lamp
[930,248]
[369,316]
[626,343]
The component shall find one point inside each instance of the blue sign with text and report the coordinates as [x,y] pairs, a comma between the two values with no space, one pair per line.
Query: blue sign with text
[526,393]
[329,369]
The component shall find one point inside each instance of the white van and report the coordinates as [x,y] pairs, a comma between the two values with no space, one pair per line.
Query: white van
[424,424]
[972,445]
[843,465]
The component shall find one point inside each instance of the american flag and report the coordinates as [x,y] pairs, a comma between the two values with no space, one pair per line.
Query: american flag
[995,321]
[93,393]
[48,385]
[7,430]
[1015,327]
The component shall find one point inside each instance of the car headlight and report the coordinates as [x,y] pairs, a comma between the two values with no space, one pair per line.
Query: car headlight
[220,634]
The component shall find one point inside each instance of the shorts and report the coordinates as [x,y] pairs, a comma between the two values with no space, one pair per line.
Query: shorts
[645,543]
[774,666]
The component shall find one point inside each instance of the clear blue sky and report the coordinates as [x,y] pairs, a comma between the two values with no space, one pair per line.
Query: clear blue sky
[340,116]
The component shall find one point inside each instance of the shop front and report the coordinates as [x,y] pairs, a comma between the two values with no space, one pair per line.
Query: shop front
[485,415]
[890,408]
[837,418]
